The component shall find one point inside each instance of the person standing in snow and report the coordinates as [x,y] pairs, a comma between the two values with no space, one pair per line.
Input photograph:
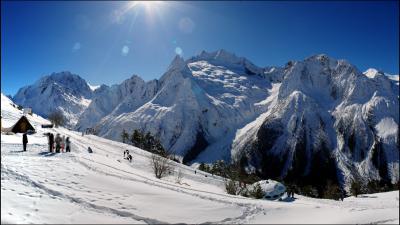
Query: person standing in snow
[48,141]
[24,141]
[67,145]
[63,144]
[51,142]
[58,143]
[129,157]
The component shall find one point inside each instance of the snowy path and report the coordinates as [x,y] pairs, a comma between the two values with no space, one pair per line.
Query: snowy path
[101,187]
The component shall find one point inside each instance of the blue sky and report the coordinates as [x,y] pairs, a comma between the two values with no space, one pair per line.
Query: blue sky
[107,42]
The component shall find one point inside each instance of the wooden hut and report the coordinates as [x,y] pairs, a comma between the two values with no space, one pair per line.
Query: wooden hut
[22,126]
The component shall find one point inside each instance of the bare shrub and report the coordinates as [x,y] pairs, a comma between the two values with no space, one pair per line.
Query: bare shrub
[161,165]
[57,118]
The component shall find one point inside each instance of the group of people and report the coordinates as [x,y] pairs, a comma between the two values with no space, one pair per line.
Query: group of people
[127,155]
[61,144]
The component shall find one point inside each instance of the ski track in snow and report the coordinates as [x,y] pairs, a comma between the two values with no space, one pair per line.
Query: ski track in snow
[247,210]
[27,180]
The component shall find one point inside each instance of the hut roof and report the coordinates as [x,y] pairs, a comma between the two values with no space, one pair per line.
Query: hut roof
[22,126]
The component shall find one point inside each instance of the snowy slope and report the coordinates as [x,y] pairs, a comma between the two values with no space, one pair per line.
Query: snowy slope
[78,187]
[62,91]
[11,114]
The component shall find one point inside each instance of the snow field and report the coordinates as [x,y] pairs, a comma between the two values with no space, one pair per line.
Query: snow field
[79,187]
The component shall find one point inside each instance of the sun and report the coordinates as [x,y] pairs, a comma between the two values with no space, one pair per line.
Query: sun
[152,10]
[148,5]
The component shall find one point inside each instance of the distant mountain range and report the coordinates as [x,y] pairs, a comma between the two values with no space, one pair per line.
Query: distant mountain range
[319,118]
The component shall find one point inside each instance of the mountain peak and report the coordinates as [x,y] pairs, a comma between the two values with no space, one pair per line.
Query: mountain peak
[372,72]
[320,58]
[135,77]
[220,55]
[64,77]
[177,62]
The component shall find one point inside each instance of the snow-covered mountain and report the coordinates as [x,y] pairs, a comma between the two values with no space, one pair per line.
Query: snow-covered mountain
[319,114]
[62,91]
[117,99]
[328,120]
[199,105]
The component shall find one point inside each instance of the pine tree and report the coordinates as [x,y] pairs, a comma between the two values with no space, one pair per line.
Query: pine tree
[124,136]
[332,191]
[137,139]
[355,188]
[257,192]
[202,167]
[148,142]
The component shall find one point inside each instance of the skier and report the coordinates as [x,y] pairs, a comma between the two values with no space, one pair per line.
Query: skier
[67,145]
[58,143]
[90,150]
[24,141]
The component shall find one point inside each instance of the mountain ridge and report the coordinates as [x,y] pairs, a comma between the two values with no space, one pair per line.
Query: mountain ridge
[220,106]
